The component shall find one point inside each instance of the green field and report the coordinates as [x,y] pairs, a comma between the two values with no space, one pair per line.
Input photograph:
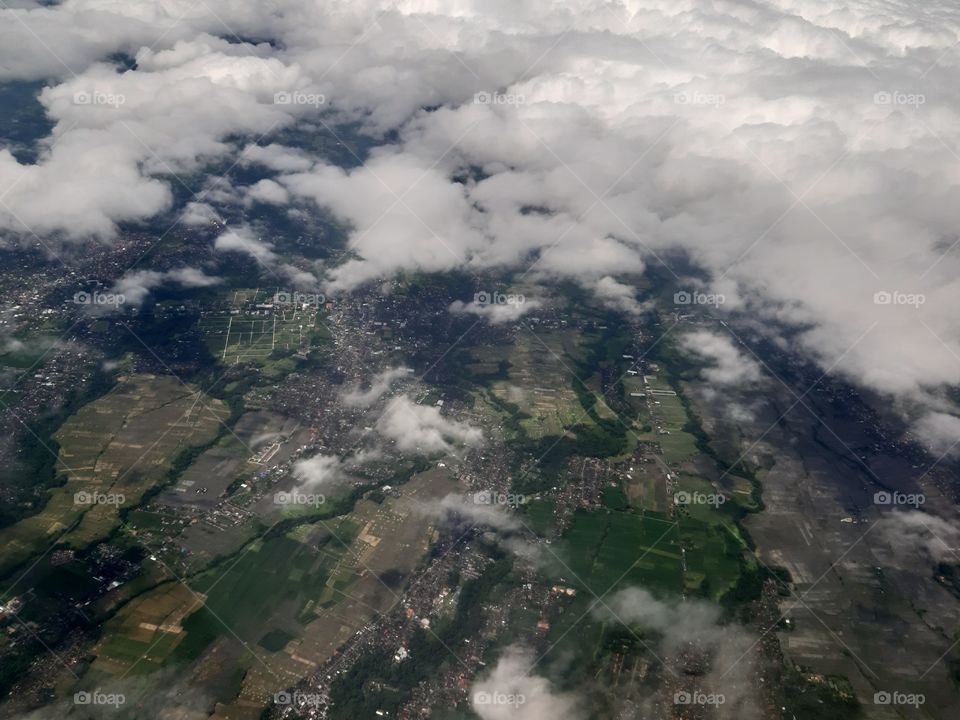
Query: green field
[251,326]
[281,605]
[606,551]
[666,417]
[538,382]
[122,444]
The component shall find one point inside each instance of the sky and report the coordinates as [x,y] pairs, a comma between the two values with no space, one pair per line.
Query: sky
[804,155]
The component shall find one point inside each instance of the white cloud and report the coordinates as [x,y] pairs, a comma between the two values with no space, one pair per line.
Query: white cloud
[268,191]
[730,669]
[276,157]
[421,428]
[940,432]
[137,285]
[513,691]
[199,213]
[320,472]
[192,277]
[794,151]
[117,132]
[454,508]
[617,296]
[405,215]
[728,366]
[915,534]
[380,384]
[496,313]
[242,240]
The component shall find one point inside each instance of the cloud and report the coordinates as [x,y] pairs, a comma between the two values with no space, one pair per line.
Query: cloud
[268,191]
[459,509]
[276,157]
[694,626]
[678,622]
[728,365]
[380,384]
[405,215]
[136,286]
[798,162]
[199,213]
[512,691]
[490,511]
[912,533]
[320,472]
[940,432]
[617,296]
[119,138]
[496,313]
[242,240]
[192,277]
[325,472]
[422,429]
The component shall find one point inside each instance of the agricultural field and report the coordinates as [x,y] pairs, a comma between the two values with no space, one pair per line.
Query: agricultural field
[664,414]
[145,633]
[112,451]
[607,550]
[256,324]
[282,605]
[539,381]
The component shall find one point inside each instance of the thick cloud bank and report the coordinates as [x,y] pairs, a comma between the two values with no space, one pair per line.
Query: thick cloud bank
[804,154]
